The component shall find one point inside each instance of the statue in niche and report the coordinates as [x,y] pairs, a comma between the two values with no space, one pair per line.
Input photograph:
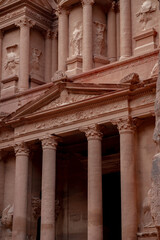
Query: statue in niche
[99,38]
[36,54]
[12,60]
[144,14]
[7,221]
[76,41]
[147,217]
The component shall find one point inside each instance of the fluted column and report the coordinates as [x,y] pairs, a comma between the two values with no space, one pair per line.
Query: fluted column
[25,24]
[20,192]
[95,216]
[49,145]
[111,33]
[63,33]
[48,56]
[125,29]
[54,51]
[128,180]
[87,35]
[1,182]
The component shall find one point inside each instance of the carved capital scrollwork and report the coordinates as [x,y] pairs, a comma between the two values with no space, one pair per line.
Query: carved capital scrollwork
[92,132]
[48,34]
[21,149]
[49,142]
[55,34]
[25,22]
[125,125]
[60,10]
[87,2]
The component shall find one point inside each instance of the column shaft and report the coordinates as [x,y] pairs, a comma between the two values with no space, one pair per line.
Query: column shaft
[54,53]
[20,194]
[87,35]
[128,184]
[95,216]
[48,57]
[48,189]
[111,34]
[62,39]
[125,29]
[1,183]
[118,34]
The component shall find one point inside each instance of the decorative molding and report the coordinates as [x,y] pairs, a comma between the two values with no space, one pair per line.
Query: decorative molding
[21,149]
[25,22]
[12,15]
[92,132]
[49,142]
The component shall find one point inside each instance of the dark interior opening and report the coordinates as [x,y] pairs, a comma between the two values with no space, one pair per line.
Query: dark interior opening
[111,206]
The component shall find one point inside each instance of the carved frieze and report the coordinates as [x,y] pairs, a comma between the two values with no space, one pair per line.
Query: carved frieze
[12,60]
[145,12]
[76,40]
[99,38]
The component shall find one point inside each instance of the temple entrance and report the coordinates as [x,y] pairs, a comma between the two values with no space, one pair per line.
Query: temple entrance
[111,206]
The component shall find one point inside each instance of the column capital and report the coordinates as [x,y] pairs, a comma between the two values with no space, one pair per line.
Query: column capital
[48,34]
[92,132]
[49,142]
[61,11]
[87,2]
[21,149]
[25,22]
[55,34]
[125,125]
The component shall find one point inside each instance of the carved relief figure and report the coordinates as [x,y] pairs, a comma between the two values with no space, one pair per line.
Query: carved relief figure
[76,41]
[99,38]
[36,54]
[12,60]
[7,221]
[147,217]
[145,12]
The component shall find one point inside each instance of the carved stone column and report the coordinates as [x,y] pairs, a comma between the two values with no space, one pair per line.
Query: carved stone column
[95,217]
[87,35]
[111,33]
[1,182]
[1,40]
[118,28]
[25,24]
[20,192]
[128,180]
[54,52]
[63,33]
[49,145]
[125,29]
[48,56]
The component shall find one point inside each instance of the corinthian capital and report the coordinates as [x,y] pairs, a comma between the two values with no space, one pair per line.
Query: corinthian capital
[92,132]
[21,149]
[125,124]
[88,2]
[61,10]
[49,142]
[25,22]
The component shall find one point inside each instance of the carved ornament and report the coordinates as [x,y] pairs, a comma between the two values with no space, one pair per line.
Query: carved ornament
[124,125]
[145,13]
[60,10]
[36,207]
[92,132]
[87,2]
[7,216]
[25,22]
[21,149]
[49,142]
[48,34]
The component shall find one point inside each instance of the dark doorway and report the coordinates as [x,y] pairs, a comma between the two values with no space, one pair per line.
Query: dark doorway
[111,206]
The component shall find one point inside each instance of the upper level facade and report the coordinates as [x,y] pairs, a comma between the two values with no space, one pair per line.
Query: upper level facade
[99,41]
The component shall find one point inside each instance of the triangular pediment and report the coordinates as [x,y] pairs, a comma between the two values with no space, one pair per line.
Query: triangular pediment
[63,95]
